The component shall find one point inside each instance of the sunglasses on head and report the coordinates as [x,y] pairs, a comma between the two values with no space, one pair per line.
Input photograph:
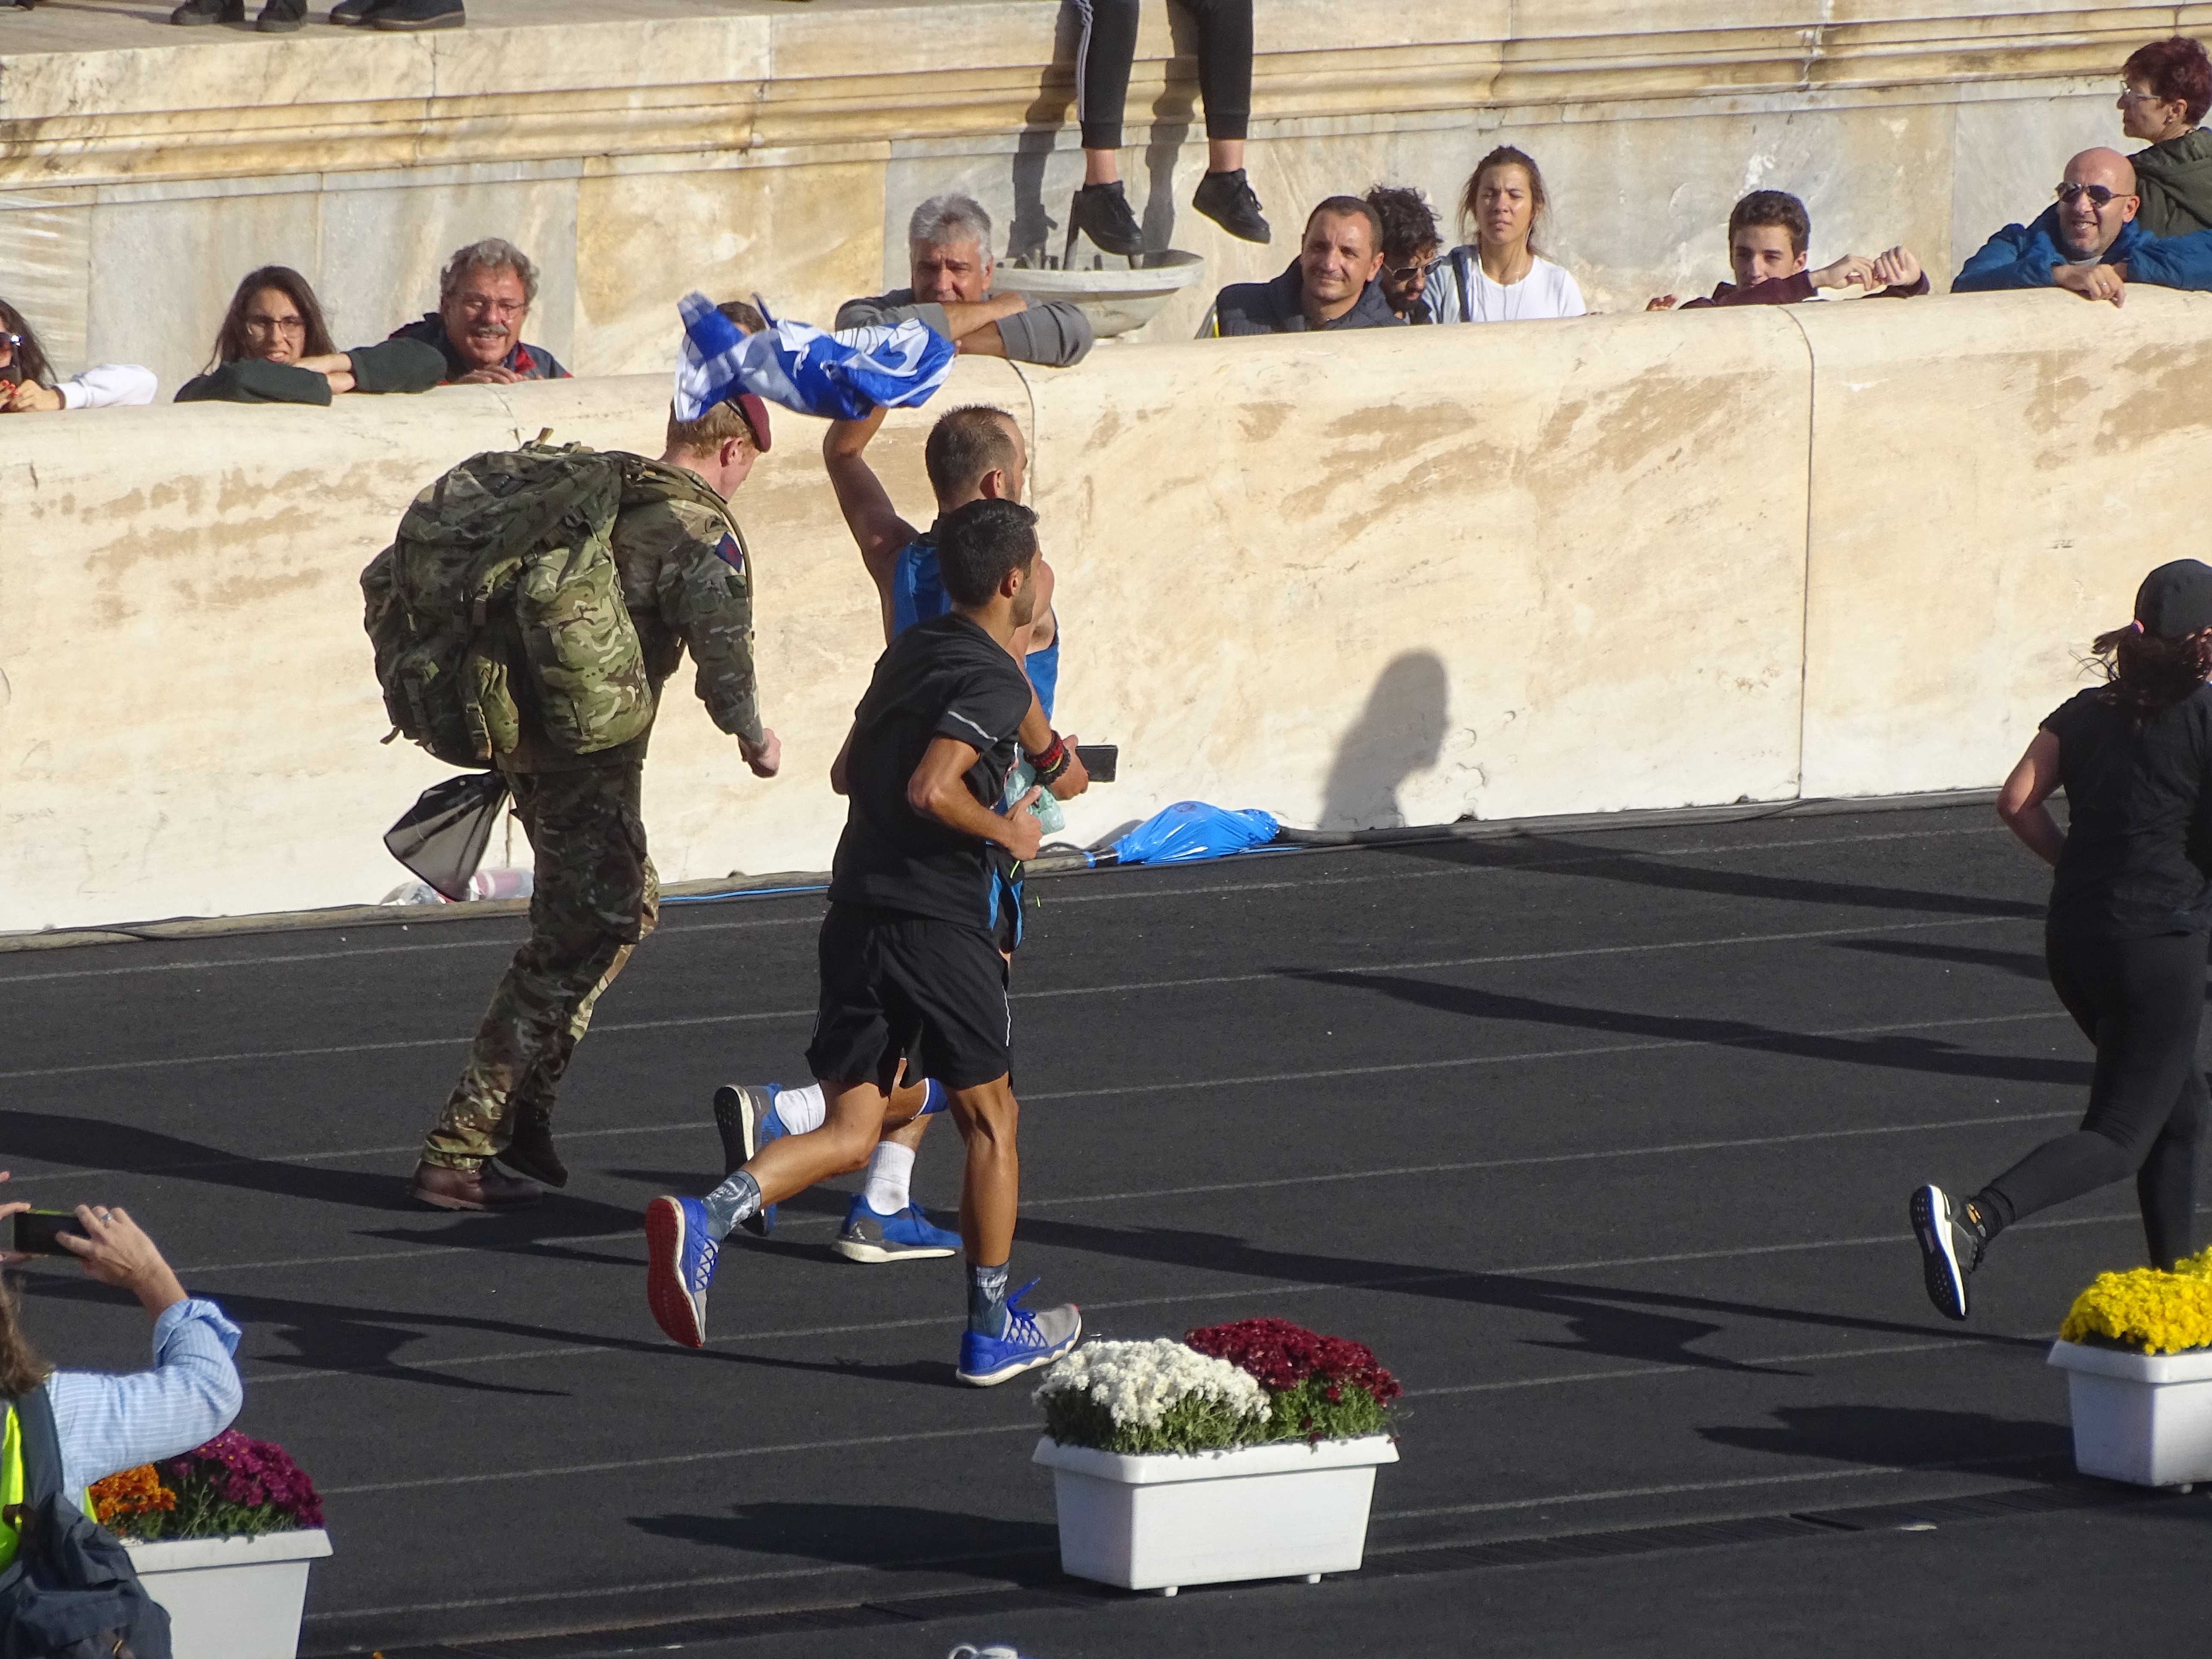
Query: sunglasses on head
[2097,194]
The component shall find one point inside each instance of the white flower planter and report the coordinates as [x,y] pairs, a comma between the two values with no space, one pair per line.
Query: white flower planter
[1163,1521]
[2141,1418]
[232,1598]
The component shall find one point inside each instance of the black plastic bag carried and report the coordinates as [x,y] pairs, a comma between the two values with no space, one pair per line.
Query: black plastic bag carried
[442,836]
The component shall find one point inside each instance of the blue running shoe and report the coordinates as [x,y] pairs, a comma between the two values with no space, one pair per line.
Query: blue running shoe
[744,1116]
[871,1236]
[680,1253]
[1031,1339]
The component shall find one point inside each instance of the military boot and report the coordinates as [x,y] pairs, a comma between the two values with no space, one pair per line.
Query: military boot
[484,1188]
[532,1151]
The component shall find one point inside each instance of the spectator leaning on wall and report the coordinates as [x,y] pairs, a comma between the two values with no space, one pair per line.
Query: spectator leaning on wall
[1333,283]
[1769,231]
[2165,88]
[2089,241]
[274,348]
[485,295]
[1410,242]
[950,269]
[27,378]
[1500,277]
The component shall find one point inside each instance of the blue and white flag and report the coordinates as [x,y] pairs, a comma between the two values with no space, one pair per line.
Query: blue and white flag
[839,376]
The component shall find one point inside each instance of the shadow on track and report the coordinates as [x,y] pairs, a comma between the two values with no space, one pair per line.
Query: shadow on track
[882,1536]
[2024,965]
[1891,1435]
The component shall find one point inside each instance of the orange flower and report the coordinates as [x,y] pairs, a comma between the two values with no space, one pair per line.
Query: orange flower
[133,1492]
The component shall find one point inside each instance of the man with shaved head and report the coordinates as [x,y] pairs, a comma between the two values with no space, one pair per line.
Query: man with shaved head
[2089,240]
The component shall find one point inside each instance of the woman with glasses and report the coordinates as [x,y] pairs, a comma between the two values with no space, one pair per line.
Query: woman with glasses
[1500,277]
[27,386]
[2165,88]
[274,348]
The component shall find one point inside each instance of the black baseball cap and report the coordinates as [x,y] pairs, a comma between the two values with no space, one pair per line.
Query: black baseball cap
[2176,600]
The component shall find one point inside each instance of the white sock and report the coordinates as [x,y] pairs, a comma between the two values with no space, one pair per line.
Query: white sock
[801,1111]
[890,1178]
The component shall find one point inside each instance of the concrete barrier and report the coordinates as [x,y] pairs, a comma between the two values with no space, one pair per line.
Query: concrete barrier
[1634,562]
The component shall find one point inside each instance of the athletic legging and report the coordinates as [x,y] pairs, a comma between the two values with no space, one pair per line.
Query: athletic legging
[1108,46]
[2140,1001]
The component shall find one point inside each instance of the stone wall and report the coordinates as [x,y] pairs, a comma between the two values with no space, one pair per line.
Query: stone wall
[1619,562]
[749,145]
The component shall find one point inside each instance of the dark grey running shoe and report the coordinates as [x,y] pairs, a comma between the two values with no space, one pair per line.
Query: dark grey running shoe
[1102,213]
[1228,200]
[744,1117]
[1950,1248]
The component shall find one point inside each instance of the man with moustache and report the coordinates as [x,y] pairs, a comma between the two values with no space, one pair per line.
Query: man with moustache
[485,295]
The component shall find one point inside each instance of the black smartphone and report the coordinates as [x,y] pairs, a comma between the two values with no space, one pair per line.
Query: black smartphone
[35,1232]
[1099,759]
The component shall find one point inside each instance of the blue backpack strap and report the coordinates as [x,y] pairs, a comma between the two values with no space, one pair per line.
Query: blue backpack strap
[1460,263]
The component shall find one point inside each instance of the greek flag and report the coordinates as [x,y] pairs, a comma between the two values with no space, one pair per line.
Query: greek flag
[839,376]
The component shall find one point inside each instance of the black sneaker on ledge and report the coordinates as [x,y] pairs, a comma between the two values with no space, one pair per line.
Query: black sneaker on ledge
[418,15]
[282,16]
[1102,212]
[194,13]
[1228,200]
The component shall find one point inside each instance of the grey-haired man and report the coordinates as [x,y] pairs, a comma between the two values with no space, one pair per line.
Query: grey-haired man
[485,295]
[950,267]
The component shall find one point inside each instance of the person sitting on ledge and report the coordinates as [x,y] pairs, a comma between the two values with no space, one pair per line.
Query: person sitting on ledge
[274,348]
[484,293]
[1333,283]
[1500,277]
[1768,231]
[2089,241]
[950,269]
[2165,88]
[1410,241]
[27,385]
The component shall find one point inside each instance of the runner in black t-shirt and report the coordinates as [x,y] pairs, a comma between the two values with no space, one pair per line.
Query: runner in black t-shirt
[923,895]
[2130,908]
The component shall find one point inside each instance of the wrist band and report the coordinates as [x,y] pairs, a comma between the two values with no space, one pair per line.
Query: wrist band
[1053,762]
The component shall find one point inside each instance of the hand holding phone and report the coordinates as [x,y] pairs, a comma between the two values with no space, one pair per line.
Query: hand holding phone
[1099,760]
[38,1232]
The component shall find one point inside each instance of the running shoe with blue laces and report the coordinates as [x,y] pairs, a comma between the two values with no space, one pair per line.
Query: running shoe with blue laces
[1951,1245]
[871,1236]
[1031,1339]
[744,1116]
[680,1252]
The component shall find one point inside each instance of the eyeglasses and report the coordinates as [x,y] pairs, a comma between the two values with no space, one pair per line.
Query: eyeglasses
[2129,95]
[1409,271]
[2099,195]
[11,341]
[276,325]
[480,305]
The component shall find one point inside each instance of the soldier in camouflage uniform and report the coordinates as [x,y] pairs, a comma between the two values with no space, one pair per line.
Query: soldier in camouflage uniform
[686,581]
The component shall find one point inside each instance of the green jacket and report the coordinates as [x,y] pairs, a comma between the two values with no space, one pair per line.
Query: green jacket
[391,366]
[2174,180]
[687,581]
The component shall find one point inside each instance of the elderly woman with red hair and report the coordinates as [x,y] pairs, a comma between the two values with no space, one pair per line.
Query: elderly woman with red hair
[2167,88]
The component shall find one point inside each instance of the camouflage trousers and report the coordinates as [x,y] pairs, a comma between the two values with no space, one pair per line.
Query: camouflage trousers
[594,897]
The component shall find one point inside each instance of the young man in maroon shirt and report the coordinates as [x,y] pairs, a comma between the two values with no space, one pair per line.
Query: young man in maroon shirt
[1767,236]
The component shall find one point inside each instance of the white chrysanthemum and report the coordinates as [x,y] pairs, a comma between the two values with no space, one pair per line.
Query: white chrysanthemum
[1137,1382]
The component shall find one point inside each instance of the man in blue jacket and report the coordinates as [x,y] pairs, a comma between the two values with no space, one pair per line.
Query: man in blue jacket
[2089,241]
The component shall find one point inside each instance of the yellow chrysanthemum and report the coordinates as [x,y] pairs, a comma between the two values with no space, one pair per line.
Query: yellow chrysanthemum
[2146,1308]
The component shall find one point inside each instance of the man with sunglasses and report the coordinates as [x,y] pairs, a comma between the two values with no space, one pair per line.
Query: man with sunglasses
[2089,240]
[1411,242]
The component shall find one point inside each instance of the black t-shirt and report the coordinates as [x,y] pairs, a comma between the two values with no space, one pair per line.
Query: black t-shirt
[2138,856]
[943,678]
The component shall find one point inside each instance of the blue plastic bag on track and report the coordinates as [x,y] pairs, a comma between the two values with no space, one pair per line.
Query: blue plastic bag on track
[1190,830]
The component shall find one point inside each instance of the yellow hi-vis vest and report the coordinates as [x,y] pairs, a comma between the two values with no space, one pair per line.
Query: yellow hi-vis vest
[11,1485]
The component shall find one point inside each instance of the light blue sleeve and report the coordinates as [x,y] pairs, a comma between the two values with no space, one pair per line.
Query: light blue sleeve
[1441,291]
[107,1422]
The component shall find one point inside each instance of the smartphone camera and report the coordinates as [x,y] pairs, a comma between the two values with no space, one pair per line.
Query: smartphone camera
[38,1232]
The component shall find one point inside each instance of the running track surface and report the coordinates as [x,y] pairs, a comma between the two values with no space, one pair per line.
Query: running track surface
[1601,1141]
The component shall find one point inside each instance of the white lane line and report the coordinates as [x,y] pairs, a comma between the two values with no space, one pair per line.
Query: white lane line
[1388,1282]
[1945,1344]
[755,1015]
[1679,1488]
[855,1443]
[554,1242]
[213,963]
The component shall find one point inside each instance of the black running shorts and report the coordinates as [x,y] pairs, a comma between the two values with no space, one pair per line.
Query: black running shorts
[896,986]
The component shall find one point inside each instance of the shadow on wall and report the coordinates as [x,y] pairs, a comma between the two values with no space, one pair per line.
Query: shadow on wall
[1400,732]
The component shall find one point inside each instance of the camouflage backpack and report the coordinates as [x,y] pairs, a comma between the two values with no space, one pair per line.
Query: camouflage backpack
[503,567]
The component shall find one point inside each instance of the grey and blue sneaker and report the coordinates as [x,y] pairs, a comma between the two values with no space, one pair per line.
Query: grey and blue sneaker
[744,1116]
[871,1236]
[1031,1339]
[1950,1247]
[680,1252]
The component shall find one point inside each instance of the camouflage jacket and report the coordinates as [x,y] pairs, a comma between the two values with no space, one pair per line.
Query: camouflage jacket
[687,581]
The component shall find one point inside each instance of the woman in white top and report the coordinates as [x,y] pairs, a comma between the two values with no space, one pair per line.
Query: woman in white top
[1499,277]
[27,384]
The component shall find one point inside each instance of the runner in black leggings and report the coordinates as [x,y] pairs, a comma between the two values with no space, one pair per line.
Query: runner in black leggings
[1104,51]
[2130,909]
